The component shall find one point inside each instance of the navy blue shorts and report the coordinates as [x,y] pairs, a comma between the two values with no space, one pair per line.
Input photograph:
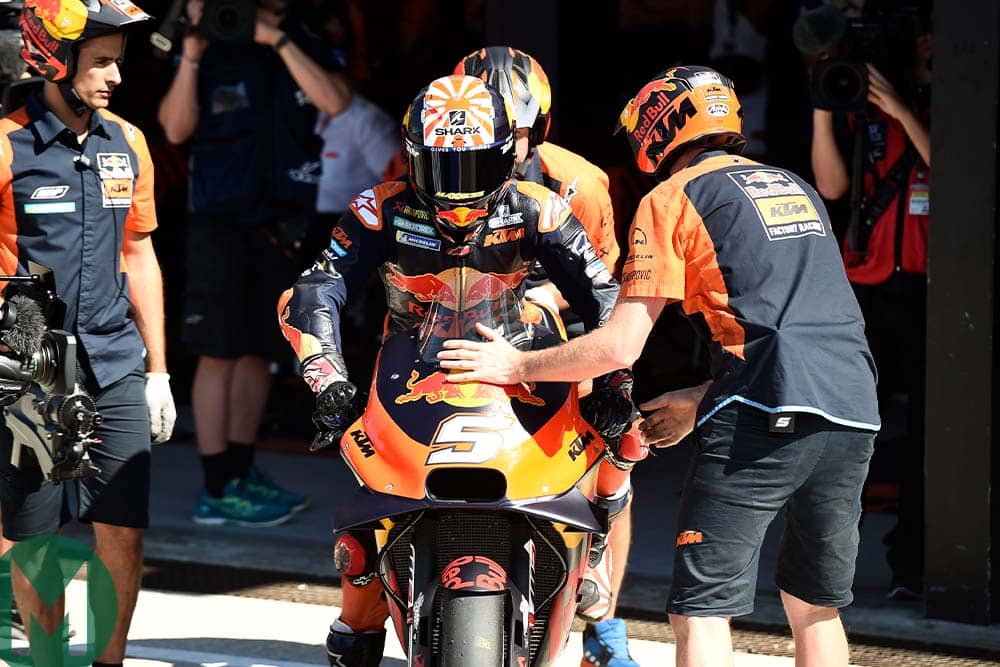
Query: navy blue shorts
[234,278]
[741,476]
[119,496]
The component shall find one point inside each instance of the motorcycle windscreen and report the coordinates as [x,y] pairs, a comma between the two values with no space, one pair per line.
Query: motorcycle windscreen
[474,298]
[417,420]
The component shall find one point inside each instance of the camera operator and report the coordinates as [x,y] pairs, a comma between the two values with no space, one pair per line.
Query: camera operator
[78,184]
[885,255]
[249,108]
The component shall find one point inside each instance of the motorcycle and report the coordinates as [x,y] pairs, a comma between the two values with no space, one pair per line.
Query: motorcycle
[480,496]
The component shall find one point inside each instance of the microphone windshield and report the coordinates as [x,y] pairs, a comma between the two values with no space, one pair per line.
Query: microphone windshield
[25,336]
[818,30]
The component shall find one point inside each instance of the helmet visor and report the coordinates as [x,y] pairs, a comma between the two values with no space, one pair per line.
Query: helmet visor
[453,177]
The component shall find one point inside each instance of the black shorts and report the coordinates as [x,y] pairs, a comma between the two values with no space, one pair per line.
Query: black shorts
[234,278]
[741,476]
[119,496]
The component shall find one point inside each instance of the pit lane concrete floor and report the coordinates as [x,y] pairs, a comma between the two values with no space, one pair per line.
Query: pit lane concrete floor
[302,547]
[185,630]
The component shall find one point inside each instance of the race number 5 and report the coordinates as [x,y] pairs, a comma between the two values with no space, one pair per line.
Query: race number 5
[469,438]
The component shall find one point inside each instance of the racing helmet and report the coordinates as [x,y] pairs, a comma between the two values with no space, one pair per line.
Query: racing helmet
[459,147]
[520,79]
[53,29]
[680,108]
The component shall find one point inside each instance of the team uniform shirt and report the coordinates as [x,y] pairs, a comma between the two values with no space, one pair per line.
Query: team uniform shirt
[389,231]
[360,145]
[749,249]
[254,154]
[584,186]
[898,240]
[67,207]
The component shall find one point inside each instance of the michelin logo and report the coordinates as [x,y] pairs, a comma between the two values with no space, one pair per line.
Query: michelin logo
[418,241]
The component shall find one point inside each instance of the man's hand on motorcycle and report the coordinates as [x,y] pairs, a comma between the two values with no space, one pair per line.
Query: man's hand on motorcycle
[495,361]
[673,416]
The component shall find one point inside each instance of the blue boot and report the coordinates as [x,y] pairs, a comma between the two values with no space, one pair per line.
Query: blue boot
[605,645]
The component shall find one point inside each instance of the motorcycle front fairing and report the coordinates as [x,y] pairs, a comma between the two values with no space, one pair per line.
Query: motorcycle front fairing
[474,489]
[432,442]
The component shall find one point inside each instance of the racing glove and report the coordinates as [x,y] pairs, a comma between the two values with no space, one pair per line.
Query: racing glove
[162,413]
[609,407]
[337,407]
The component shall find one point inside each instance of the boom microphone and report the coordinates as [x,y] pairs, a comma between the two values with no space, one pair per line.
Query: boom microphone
[23,323]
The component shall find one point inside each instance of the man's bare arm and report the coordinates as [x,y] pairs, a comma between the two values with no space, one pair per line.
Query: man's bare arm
[615,345]
[146,293]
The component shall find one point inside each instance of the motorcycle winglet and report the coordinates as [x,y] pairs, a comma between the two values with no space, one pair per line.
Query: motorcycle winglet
[366,508]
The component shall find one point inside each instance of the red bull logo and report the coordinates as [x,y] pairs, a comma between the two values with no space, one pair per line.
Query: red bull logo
[425,287]
[630,115]
[763,177]
[435,388]
[462,216]
[489,286]
[441,287]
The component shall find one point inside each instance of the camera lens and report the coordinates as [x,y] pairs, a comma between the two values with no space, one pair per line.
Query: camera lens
[843,83]
[839,85]
[228,18]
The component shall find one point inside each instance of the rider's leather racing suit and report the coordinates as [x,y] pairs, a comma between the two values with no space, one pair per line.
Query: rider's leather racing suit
[389,230]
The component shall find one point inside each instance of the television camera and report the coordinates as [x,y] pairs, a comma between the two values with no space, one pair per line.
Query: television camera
[51,417]
[229,21]
[838,80]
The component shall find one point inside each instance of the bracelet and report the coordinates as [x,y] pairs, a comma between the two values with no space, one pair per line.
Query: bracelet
[281,41]
[192,61]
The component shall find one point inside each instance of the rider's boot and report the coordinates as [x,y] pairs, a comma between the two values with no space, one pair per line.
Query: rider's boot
[346,648]
[605,645]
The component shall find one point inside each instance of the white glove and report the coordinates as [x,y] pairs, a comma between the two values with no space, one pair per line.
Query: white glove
[162,413]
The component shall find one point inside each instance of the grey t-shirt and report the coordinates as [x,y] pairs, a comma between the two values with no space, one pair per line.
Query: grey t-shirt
[358,145]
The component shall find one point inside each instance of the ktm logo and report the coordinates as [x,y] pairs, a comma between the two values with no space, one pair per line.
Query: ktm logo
[672,123]
[579,446]
[689,537]
[364,443]
[785,210]
[340,236]
[504,236]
